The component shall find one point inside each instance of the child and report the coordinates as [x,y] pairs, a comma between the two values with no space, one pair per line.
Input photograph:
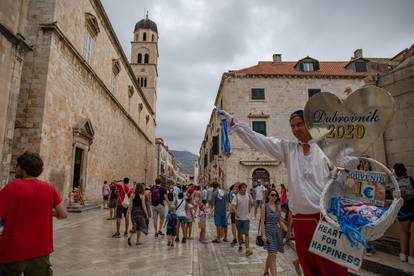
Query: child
[171,223]
[202,223]
[190,218]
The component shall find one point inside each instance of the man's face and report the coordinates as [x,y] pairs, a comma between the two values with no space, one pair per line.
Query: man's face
[242,190]
[299,129]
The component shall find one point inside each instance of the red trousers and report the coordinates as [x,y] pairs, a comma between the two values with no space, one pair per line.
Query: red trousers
[312,265]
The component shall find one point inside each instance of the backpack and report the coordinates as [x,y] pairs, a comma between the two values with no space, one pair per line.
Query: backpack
[204,194]
[156,195]
[170,196]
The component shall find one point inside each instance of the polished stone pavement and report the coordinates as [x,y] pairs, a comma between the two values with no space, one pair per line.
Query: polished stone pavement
[84,247]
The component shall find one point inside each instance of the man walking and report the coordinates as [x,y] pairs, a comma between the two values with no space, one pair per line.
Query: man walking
[122,210]
[241,204]
[260,191]
[219,205]
[158,195]
[27,206]
[308,170]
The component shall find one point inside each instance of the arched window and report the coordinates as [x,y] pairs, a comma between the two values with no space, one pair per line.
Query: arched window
[144,37]
[146,58]
[139,58]
[152,38]
[142,81]
[145,82]
[260,175]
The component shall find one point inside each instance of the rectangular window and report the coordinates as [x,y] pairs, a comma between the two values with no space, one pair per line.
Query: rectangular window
[87,47]
[215,147]
[308,67]
[257,94]
[259,127]
[312,92]
[361,66]
[113,84]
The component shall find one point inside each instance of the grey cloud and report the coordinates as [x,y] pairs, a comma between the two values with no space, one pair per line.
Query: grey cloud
[199,40]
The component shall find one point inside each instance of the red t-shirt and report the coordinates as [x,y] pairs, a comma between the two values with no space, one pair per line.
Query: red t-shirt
[26,210]
[122,189]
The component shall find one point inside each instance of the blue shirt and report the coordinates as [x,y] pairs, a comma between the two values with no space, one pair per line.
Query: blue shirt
[220,204]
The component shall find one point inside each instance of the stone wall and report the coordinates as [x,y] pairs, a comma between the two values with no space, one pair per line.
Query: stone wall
[399,137]
[60,90]
[13,48]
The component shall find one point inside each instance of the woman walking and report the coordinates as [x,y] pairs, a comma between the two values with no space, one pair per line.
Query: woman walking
[113,198]
[139,215]
[271,222]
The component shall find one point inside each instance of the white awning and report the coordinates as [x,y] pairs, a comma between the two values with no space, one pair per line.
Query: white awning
[260,163]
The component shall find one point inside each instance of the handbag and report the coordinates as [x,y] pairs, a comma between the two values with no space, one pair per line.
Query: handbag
[259,238]
[125,202]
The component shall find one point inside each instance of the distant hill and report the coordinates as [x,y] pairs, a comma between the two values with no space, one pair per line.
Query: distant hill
[186,159]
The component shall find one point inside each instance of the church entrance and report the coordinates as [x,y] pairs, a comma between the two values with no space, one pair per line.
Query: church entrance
[77,168]
[260,175]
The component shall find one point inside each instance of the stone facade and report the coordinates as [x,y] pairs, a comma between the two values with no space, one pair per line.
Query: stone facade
[167,166]
[13,48]
[80,106]
[285,90]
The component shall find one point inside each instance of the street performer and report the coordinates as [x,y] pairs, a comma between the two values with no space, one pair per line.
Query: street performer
[308,171]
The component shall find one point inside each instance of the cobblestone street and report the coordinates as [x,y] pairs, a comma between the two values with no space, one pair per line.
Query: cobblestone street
[83,246]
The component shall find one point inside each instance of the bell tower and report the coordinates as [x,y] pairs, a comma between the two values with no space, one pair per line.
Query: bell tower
[144,58]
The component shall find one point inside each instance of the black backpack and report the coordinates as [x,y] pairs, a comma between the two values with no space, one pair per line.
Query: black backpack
[170,196]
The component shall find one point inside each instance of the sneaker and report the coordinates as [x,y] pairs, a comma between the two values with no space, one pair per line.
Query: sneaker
[240,249]
[116,235]
[403,257]
[161,233]
[234,242]
[248,252]
[183,240]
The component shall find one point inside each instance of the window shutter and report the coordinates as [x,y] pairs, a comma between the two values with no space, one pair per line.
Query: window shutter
[301,66]
[316,66]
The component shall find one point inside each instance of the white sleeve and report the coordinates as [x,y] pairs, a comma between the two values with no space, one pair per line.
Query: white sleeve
[273,147]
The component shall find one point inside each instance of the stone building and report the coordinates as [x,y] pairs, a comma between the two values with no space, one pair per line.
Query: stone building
[264,96]
[13,47]
[81,105]
[168,167]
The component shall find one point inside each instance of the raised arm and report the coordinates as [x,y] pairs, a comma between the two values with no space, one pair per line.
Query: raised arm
[270,146]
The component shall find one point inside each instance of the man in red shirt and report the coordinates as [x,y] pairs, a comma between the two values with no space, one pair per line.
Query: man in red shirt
[27,206]
[123,189]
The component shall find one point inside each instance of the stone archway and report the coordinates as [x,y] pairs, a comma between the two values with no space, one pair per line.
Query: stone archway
[83,135]
[260,175]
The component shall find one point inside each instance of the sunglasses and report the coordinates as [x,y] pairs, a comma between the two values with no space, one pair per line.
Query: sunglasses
[272,195]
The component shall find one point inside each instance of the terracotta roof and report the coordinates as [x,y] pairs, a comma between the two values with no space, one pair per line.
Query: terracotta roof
[327,68]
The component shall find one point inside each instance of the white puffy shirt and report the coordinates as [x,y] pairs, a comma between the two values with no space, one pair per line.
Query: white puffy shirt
[307,175]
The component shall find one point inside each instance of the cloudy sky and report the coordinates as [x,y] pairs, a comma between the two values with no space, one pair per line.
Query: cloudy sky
[201,39]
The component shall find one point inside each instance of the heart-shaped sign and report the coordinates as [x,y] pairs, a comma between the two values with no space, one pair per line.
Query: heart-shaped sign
[351,126]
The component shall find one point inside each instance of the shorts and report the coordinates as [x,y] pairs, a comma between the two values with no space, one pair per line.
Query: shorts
[34,266]
[220,220]
[259,203]
[243,227]
[159,209]
[171,231]
[233,218]
[182,219]
[121,210]
[406,212]
[106,197]
[202,225]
